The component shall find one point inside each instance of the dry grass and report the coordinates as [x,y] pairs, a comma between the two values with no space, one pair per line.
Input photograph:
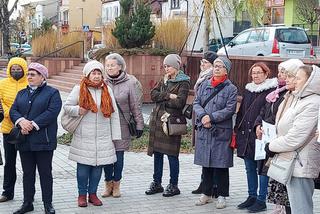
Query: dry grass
[48,42]
[109,39]
[171,34]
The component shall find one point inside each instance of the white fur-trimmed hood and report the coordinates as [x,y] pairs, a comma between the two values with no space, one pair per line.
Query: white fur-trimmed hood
[267,84]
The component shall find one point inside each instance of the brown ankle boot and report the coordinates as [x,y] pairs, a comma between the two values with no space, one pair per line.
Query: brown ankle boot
[116,189]
[108,189]
[94,199]
[82,201]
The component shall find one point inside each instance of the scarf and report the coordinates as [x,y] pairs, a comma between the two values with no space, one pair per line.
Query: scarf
[215,81]
[202,77]
[274,95]
[87,102]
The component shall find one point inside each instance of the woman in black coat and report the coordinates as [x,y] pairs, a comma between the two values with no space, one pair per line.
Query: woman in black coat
[254,99]
[35,111]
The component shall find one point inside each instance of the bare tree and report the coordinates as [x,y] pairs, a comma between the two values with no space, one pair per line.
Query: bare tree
[306,12]
[5,14]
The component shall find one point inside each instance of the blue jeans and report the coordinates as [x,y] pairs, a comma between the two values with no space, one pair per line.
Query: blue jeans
[158,168]
[88,178]
[113,172]
[252,180]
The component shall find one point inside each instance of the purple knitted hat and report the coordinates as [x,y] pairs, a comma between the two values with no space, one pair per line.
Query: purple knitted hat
[39,68]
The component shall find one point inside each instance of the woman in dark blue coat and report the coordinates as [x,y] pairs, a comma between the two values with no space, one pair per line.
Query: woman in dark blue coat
[254,99]
[35,111]
[214,131]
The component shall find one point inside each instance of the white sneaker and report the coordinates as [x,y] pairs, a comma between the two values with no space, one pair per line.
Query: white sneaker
[221,203]
[204,200]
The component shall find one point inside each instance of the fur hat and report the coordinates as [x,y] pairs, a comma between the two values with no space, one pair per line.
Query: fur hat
[291,66]
[43,70]
[172,60]
[93,65]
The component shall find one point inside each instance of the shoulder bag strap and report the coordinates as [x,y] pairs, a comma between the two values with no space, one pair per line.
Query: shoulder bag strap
[122,112]
[213,95]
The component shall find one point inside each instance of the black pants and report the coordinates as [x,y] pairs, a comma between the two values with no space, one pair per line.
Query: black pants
[10,174]
[43,161]
[220,176]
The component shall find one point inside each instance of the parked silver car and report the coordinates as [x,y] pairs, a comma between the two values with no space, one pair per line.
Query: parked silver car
[292,42]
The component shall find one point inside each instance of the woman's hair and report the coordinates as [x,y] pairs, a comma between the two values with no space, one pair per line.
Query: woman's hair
[307,70]
[118,58]
[262,65]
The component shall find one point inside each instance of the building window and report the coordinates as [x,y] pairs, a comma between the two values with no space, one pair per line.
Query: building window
[277,15]
[115,12]
[175,4]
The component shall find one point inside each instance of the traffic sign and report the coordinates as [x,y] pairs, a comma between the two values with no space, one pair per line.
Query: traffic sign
[85,28]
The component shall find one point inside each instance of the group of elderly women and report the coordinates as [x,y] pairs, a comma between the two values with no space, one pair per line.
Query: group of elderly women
[104,103]
[290,102]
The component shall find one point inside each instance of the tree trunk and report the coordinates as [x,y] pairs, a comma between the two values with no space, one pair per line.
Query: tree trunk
[206,34]
[5,31]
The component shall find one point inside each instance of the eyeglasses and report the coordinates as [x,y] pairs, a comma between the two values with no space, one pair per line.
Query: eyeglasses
[258,73]
[111,65]
[32,74]
[219,66]
[203,61]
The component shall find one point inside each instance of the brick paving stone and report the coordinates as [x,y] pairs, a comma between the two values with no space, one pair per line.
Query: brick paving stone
[136,178]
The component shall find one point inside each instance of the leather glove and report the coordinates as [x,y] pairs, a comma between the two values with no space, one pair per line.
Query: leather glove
[139,133]
[268,152]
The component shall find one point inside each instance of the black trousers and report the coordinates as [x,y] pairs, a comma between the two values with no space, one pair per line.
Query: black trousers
[221,178]
[10,174]
[43,161]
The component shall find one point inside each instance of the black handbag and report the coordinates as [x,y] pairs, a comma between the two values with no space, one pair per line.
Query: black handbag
[177,125]
[187,111]
[132,124]
[15,136]
[317,182]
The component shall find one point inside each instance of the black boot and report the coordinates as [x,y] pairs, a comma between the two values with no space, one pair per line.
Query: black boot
[171,190]
[199,190]
[48,208]
[154,188]
[247,203]
[258,206]
[26,207]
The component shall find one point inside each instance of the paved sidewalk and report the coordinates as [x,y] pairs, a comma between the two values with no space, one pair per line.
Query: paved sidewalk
[136,178]
[137,175]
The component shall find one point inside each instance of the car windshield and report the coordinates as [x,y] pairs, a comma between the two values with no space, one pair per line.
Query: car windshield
[25,46]
[292,35]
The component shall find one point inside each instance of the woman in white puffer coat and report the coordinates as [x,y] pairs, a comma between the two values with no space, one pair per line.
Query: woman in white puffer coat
[296,129]
[92,147]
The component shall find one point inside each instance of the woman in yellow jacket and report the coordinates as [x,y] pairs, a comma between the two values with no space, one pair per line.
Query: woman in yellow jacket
[9,87]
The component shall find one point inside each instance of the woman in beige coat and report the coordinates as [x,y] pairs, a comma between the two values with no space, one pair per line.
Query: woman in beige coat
[128,94]
[92,146]
[296,130]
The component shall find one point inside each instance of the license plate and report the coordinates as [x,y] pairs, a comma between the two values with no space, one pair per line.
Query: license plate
[295,52]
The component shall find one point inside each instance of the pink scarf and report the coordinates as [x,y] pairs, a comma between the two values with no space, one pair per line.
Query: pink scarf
[274,95]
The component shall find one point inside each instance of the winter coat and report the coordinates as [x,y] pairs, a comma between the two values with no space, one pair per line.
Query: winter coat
[268,114]
[297,128]
[254,99]
[9,88]
[213,145]
[42,107]
[158,140]
[127,91]
[92,140]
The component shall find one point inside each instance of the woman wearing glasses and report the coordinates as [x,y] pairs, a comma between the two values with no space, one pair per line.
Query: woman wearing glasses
[214,107]
[170,96]
[35,111]
[254,99]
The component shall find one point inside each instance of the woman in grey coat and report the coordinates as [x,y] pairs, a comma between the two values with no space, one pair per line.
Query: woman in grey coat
[214,131]
[128,94]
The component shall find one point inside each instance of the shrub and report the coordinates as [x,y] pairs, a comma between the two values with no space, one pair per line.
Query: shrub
[171,33]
